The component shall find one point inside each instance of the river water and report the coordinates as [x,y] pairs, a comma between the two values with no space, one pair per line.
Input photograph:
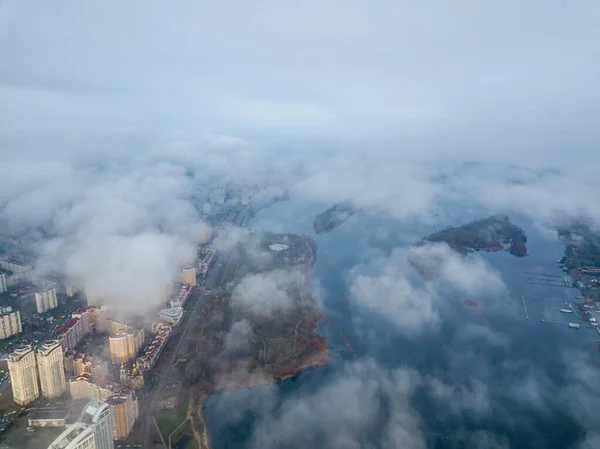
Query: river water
[528,349]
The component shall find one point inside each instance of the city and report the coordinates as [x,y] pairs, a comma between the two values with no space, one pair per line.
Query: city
[74,373]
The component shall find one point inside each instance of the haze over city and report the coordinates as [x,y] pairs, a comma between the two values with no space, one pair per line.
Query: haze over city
[328,224]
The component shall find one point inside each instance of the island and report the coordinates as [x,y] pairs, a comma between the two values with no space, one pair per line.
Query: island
[333,217]
[581,259]
[495,233]
[258,325]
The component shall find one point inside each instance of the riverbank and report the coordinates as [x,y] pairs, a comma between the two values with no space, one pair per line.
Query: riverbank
[291,342]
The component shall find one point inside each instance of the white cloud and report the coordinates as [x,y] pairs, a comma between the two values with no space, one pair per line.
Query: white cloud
[388,287]
[266,293]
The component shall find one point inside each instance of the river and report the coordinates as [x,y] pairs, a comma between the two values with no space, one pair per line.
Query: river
[526,348]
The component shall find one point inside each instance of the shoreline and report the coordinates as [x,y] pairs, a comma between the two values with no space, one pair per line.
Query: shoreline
[200,393]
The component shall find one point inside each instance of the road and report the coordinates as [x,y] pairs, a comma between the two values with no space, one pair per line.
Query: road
[241,220]
[166,369]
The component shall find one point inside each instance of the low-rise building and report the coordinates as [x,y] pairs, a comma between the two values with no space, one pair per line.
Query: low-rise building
[172,315]
[48,418]
[206,257]
[181,299]
[132,378]
[152,351]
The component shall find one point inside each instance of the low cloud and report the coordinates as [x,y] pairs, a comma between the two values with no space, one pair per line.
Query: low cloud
[266,293]
[122,236]
[240,337]
[345,411]
[389,287]
[472,398]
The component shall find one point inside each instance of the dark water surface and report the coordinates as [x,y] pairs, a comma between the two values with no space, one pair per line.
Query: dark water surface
[531,349]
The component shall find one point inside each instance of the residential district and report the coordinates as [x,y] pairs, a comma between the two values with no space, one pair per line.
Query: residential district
[77,375]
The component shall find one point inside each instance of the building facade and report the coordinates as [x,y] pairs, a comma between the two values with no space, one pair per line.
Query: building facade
[16,263]
[10,322]
[188,275]
[23,375]
[85,386]
[51,369]
[46,300]
[77,436]
[124,345]
[91,431]
[124,412]
[3,286]
[152,351]
[131,378]
[98,318]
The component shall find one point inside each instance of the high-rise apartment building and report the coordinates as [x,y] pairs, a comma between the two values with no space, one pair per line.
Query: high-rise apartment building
[85,386]
[46,300]
[188,275]
[10,322]
[51,369]
[124,342]
[124,412]
[91,431]
[124,346]
[3,286]
[23,375]
[98,318]
[95,297]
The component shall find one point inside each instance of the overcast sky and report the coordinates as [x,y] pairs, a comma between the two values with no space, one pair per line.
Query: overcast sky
[482,77]
[106,107]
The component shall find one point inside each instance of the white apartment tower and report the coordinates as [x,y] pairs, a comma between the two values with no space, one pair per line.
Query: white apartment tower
[91,431]
[46,300]
[3,286]
[51,368]
[10,322]
[23,375]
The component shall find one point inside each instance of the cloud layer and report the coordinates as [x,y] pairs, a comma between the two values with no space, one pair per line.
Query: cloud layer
[390,287]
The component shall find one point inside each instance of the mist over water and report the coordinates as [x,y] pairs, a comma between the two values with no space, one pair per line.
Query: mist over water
[484,377]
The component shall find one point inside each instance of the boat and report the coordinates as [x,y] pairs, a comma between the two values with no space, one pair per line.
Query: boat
[566,310]
[574,325]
